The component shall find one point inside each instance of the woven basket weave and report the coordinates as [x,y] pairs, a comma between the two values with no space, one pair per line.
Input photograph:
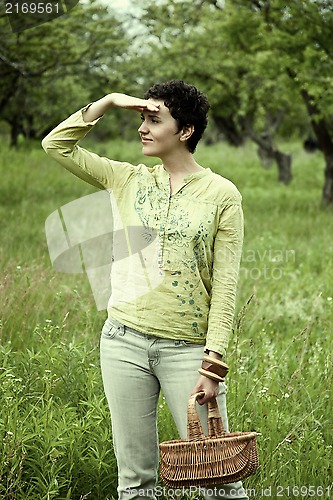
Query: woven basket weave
[201,460]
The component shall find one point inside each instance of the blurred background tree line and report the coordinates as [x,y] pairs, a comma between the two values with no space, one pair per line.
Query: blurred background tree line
[267,66]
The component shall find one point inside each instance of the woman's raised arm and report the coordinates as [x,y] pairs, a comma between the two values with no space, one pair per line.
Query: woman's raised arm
[100,107]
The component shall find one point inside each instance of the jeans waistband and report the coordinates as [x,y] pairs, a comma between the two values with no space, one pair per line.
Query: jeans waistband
[124,328]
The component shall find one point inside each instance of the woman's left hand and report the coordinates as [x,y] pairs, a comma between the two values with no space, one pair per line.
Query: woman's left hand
[208,386]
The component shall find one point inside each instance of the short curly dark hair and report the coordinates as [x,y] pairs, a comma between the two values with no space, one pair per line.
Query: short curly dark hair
[187,105]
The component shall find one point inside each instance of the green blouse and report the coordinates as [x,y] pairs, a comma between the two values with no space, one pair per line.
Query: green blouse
[176,256]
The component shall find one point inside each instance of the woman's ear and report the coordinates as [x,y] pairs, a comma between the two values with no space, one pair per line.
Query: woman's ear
[186,132]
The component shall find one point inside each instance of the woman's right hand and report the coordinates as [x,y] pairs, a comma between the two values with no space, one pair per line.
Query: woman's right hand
[133,103]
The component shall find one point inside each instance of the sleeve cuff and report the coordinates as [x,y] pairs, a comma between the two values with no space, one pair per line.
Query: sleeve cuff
[219,350]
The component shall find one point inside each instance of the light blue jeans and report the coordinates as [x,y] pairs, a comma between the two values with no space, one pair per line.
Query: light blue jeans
[135,367]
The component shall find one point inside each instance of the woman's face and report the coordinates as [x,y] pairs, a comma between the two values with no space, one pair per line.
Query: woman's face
[159,133]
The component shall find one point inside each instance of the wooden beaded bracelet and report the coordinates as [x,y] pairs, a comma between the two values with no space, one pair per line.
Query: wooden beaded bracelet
[210,375]
[213,368]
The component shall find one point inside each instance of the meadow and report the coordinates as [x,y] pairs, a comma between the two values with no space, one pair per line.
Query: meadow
[54,421]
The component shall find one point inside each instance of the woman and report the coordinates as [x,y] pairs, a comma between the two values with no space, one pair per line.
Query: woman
[173,301]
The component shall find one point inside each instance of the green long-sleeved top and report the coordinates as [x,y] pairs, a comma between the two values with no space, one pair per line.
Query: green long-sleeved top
[182,285]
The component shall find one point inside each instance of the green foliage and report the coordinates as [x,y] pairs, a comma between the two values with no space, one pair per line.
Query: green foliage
[230,54]
[52,69]
[54,420]
[265,65]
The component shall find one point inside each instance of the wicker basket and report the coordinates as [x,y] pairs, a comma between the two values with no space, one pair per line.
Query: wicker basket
[201,460]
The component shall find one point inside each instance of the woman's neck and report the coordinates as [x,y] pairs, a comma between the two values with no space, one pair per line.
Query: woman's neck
[181,165]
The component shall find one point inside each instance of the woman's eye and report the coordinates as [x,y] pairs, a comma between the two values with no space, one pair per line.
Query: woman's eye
[151,119]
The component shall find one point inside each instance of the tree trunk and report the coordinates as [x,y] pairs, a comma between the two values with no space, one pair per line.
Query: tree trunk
[283,161]
[328,183]
[15,130]
[267,150]
[325,144]
[29,130]
[9,92]
[230,130]
[14,133]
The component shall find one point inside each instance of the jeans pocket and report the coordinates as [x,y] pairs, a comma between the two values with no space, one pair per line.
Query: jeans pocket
[110,330]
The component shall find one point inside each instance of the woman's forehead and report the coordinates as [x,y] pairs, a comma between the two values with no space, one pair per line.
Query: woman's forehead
[163,110]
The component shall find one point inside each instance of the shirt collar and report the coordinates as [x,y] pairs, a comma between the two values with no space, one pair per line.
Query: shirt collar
[198,175]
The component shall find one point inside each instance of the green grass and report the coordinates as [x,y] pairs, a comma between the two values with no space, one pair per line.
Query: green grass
[54,420]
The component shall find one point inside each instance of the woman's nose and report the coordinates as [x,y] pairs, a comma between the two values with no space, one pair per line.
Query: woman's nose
[143,128]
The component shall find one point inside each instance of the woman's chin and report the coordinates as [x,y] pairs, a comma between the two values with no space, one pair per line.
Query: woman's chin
[146,151]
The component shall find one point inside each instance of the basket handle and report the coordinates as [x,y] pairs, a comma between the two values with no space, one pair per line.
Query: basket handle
[194,427]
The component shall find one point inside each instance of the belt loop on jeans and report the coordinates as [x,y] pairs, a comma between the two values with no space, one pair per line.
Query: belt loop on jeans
[122,329]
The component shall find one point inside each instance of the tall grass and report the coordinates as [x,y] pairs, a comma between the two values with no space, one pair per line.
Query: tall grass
[55,426]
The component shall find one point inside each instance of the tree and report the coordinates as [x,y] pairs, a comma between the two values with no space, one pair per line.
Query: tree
[303,33]
[266,64]
[299,37]
[65,61]
[211,46]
